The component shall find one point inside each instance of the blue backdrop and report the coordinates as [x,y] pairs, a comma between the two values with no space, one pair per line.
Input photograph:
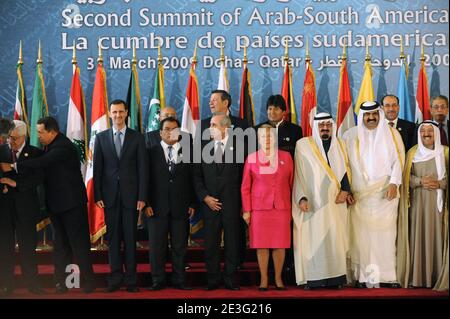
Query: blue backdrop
[263,22]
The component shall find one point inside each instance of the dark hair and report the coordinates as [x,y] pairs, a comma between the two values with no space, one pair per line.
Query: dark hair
[390,95]
[440,97]
[118,101]
[6,126]
[170,120]
[224,95]
[50,124]
[276,100]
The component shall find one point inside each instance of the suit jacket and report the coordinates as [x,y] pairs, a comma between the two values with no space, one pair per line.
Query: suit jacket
[222,181]
[288,135]
[127,174]
[267,191]
[64,185]
[153,138]
[174,193]
[408,132]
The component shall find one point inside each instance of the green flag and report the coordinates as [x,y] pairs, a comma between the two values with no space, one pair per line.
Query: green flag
[134,101]
[157,102]
[39,106]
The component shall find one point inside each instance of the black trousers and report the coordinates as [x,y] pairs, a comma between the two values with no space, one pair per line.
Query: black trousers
[25,231]
[71,239]
[214,223]
[121,225]
[159,227]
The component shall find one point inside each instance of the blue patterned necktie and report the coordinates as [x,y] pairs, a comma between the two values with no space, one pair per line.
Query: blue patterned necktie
[118,143]
[170,158]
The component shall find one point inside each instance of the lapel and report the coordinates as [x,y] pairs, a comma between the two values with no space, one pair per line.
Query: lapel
[25,150]
[110,141]
[126,141]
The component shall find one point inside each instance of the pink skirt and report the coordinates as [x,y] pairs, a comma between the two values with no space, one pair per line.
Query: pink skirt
[270,229]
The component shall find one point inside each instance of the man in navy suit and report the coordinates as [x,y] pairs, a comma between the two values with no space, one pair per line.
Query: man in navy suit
[120,187]
[171,204]
[407,129]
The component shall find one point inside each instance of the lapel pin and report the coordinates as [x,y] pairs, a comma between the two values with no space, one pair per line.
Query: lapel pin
[26,154]
[287,139]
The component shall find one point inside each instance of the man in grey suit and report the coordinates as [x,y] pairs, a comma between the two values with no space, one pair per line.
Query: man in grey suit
[120,187]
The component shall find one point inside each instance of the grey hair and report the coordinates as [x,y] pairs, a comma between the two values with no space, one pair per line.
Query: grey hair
[225,121]
[20,127]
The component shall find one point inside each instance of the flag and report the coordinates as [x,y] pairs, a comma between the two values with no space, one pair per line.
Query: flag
[288,95]
[39,107]
[345,118]
[246,108]
[422,96]
[76,119]
[191,107]
[406,113]
[366,92]
[157,102]
[99,123]
[309,100]
[20,108]
[223,77]
[134,101]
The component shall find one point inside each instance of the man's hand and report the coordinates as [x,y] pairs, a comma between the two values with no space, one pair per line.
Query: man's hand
[213,203]
[149,211]
[100,204]
[8,181]
[5,189]
[429,182]
[341,197]
[391,192]
[5,167]
[140,205]
[350,199]
[191,212]
[246,216]
[304,205]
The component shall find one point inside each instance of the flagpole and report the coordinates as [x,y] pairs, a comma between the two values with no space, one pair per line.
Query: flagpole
[22,102]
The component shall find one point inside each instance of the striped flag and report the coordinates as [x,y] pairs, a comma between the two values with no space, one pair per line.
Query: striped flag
[422,96]
[76,119]
[405,113]
[366,92]
[191,107]
[134,101]
[157,102]
[288,95]
[345,117]
[20,108]
[246,107]
[309,100]
[99,123]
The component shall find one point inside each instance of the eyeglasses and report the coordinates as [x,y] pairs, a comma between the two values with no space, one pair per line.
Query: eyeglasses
[14,138]
[439,107]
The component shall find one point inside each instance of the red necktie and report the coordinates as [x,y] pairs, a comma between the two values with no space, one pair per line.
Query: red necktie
[444,140]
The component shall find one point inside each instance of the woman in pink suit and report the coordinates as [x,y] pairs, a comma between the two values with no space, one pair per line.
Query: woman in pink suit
[266,202]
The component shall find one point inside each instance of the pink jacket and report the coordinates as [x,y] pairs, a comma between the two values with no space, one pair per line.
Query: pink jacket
[267,191]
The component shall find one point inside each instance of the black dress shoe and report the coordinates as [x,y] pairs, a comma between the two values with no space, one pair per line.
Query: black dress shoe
[232,287]
[280,288]
[61,289]
[182,287]
[212,287]
[187,266]
[36,291]
[263,289]
[156,287]
[360,285]
[395,285]
[132,289]
[112,288]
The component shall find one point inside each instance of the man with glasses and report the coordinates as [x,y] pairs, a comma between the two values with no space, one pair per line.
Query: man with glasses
[439,113]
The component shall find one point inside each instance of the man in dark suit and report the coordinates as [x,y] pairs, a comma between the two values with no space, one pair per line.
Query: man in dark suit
[217,182]
[120,187]
[23,213]
[66,201]
[439,113]
[288,133]
[407,129]
[171,204]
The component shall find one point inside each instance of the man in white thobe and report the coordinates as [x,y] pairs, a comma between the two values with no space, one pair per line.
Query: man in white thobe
[376,155]
[321,187]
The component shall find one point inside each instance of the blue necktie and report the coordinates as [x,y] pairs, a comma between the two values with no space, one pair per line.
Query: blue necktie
[118,143]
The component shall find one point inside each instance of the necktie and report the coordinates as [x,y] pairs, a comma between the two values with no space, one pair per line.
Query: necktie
[218,153]
[170,158]
[391,124]
[118,143]
[14,156]
[444,140]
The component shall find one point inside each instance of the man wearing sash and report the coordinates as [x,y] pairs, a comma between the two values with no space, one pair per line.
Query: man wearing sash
[423,214]
[321,187]
[376,155]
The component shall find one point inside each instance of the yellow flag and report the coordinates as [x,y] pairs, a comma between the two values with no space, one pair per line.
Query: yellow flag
[366,89]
